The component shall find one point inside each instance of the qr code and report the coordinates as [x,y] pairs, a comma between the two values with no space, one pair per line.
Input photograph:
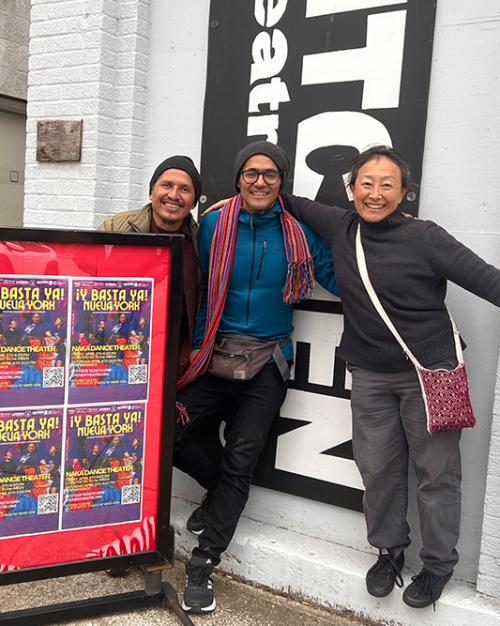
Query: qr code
[53,376]
[47,503]
[131,494]
[137,374]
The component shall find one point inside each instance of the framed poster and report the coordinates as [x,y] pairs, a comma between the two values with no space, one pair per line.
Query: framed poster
[88,351]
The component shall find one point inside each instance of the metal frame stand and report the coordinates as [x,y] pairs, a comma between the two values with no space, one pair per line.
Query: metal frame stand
[155,592]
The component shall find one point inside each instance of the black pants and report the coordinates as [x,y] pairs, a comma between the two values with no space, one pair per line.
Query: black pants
[248,408]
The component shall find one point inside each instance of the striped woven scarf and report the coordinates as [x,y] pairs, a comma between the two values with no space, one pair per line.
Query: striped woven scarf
[298,285]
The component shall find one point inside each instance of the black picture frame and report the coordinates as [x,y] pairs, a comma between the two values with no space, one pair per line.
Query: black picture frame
[154,593]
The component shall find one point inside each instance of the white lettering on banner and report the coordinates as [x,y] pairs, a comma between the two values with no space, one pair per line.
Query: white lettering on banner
[340,128]
[269,12]
[300,451]
[272,93]
[315,8]
[322,331]
[264,125]
[269,55]
[378,65]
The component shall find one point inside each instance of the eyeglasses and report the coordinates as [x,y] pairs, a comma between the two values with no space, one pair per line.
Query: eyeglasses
[251,176]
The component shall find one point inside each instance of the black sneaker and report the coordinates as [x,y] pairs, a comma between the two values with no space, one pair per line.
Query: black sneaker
[380,578]
[198,593]
[425,589]
[197,521]
[119,572]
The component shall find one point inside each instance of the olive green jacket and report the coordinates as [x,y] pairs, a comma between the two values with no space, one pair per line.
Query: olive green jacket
[139,221]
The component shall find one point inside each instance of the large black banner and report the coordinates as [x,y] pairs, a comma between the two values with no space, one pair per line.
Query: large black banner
[324,79]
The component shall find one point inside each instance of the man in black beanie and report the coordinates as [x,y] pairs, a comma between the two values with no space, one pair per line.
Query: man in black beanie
[174,190]
[275,153]
[257,263]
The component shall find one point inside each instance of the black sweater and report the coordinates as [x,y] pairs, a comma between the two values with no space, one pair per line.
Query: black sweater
[409,261]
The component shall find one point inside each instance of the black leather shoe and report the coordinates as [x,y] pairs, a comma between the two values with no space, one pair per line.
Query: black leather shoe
[380,578]
[425,589]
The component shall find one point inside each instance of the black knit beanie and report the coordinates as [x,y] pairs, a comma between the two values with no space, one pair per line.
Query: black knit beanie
[183,163]
[274,152]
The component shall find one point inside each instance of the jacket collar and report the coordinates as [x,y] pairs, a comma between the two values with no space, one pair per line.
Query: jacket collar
[270,214]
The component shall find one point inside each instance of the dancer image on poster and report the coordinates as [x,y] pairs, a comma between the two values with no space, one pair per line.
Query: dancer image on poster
[34,328]
[29,459]
[122,327]
[7,465]
[59,332]
[100,335]
[12,333]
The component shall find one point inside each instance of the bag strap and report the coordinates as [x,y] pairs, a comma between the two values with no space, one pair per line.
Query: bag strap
[363,271]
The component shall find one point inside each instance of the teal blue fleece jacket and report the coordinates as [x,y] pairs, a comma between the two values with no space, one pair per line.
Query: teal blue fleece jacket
[254,304]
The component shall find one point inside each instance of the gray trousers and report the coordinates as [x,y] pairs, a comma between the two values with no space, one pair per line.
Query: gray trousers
[389,427]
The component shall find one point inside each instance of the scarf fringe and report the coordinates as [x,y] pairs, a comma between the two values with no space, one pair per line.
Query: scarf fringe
[182,414]
[299,282]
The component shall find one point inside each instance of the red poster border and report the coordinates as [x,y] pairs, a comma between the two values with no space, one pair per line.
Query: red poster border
[95,254]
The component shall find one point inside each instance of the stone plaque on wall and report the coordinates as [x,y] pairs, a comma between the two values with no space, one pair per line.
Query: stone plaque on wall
[59,140]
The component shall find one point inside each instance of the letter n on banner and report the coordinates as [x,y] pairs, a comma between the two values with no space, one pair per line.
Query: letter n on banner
[324,79]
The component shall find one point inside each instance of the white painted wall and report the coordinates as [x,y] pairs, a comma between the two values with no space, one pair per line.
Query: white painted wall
[488,579]
[88,59]
[176,83]
[460,190]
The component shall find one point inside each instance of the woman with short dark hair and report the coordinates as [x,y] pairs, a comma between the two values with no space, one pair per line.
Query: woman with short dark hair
[409,262]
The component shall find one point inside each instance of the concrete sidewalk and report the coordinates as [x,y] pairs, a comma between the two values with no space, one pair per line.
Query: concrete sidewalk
[238,604]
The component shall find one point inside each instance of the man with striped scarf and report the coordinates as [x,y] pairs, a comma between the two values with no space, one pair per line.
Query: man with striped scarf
[257,261]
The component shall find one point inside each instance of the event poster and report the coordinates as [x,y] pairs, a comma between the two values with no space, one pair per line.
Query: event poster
[33,316]
[104,460]
[106,323]
[30,470]
[76,482]
[110,338]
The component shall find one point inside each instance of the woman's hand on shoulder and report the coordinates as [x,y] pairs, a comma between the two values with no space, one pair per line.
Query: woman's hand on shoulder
[216,205]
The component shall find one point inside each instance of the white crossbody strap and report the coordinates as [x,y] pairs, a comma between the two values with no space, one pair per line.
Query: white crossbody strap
[363,271]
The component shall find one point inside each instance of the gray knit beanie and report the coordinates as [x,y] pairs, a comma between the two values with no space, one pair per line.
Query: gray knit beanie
[274,152]
[178,162]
